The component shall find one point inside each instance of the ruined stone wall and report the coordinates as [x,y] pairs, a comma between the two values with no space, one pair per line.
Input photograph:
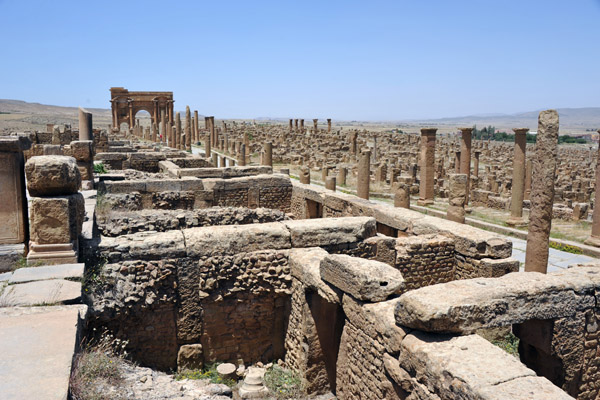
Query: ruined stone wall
[269,191]
[115,223]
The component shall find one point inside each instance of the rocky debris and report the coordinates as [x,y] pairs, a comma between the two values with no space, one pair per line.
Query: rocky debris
[467,305]
[116,223]
[141,383]
[52,175]
[365,280]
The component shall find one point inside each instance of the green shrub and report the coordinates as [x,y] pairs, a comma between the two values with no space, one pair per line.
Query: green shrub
[99,168]
[208,372]
[509,343]
[565,247]
[284,384]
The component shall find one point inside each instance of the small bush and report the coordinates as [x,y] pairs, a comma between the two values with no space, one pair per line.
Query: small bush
[509,343]
[99,364]
[565,247]
[283,383]
[99,168]
[208,372]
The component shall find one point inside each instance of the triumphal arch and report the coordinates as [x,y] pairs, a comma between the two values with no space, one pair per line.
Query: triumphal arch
[126,104]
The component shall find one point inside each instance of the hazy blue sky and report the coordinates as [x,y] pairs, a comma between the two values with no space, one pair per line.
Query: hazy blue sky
[367,60]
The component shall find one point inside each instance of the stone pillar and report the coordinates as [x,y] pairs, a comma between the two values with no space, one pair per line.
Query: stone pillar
[154,135]
[85,125]
[476,164]
[364,175]
[57,209]
[594,239]
[518,178]
[215,160]
[402,196]
[296,124]
[528,169]
[427,162]
[213,136]
[206,123]
[178,131]
[315,124]
[268,155]
[242,156]
[14,225]
[328,125]
[302,125]
[163,126]
[83,153]
[330,183]
[341,178]
[465,157]
[188,129]
[173,130]
[305,175]
[353,142]
[542,192]
[207,146]
[222,161]
[457,194]
[324,172]
[457,162]
[196,128]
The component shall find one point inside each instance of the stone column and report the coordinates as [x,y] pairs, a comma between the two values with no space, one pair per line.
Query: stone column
[188,129]
[427,162]
[465,156]
[341,178]
[402,196]
[594,239]
[518,184]
[304,175]
[242,156]
[476,164]
[206,123]
[215,160]
[542,192]
[213,136]
[291,125]
[173,130]
[315,124]
[163,126]
[85,125]
[268,155]
[330,183]
[324,172]
[528,169]
[302,125]
[364,175]
[196,128]
[178,131]
[353,142]
[457,162]
[296,124]
[207,146]
[154,135]
[328,125]
[456,197]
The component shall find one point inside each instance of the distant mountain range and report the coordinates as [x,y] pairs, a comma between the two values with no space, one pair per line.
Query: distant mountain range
[572,120]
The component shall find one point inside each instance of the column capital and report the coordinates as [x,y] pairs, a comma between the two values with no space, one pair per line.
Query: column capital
[520,131]
[428,131]
[466,130]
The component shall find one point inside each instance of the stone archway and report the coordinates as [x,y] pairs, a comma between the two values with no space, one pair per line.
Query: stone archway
[125,105]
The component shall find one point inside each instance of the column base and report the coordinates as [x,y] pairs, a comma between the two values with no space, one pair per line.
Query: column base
[424,202]
[516,222]
[593,241]
[52,253]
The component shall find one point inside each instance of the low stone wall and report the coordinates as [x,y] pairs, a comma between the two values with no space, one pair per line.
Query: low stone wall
[267,191]
[115,223]
[473,246]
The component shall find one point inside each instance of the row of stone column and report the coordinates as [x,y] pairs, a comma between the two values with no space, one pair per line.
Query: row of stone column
[294,123]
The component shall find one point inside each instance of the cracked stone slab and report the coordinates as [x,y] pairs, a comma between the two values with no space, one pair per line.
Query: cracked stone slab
[53,291]
[60,271]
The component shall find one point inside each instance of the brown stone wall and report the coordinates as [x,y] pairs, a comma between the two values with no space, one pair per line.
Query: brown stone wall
[425,260]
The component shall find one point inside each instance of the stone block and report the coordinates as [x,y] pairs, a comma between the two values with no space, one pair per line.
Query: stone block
[52,175]
[467,305]
[330,231]
[365,280]
[56,219]
[82,150]
[190,356]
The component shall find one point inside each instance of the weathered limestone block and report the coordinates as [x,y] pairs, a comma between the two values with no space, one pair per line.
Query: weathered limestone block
[56,220]
[467,305]
[377,321]
[305,266]
[470,367]
[190,356]
[330,231]
[52,175]
[222,240]
[143,246]
[364,279]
